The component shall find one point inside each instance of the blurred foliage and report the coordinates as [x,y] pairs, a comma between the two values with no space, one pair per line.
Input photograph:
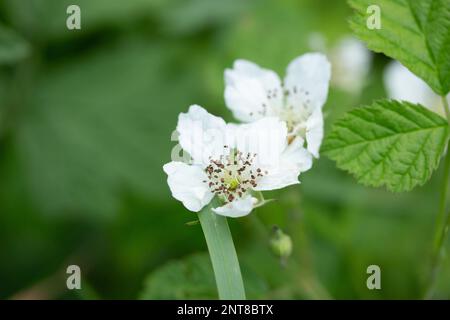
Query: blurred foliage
[13,47]
[189,278]
[193,278]
[86,119]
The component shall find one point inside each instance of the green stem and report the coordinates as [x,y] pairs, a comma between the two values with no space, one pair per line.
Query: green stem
[442,222]
[223,255]
[446,108]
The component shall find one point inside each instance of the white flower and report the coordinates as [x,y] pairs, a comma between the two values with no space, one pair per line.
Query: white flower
[351,62]
[252,93]
[232,162]
[402,84]
[350,59]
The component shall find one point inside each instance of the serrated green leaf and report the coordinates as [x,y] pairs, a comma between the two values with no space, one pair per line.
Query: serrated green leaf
[417,33]
[391,143]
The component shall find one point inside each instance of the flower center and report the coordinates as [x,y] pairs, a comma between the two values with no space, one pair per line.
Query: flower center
[233,175]
[295,121]
[233,183]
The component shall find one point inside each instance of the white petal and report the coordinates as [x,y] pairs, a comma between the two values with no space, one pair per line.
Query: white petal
[402,84]
[278,178]
[296,154]
[307,80]
[252,92]
[294,160]
[314,132]
[201,134]
[351,62]
[265,137]
[186,184]
[237,208]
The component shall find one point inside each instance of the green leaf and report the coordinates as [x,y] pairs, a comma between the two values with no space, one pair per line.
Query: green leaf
[417,33]
[397,144]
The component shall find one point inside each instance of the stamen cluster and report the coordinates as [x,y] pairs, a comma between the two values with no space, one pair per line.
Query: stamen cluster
[233,174]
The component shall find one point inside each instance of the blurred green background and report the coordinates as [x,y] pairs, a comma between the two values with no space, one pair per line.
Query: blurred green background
[86,118]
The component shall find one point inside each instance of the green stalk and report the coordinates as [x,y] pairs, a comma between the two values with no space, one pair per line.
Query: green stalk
[446,108]
[442,222]
[223,255]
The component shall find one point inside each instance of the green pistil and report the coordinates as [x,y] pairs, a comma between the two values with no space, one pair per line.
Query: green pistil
[233,183]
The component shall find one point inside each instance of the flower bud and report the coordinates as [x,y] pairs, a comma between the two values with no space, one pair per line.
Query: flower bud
[281,244]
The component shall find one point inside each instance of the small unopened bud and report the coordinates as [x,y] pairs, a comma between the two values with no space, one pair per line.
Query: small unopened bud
[281,244]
